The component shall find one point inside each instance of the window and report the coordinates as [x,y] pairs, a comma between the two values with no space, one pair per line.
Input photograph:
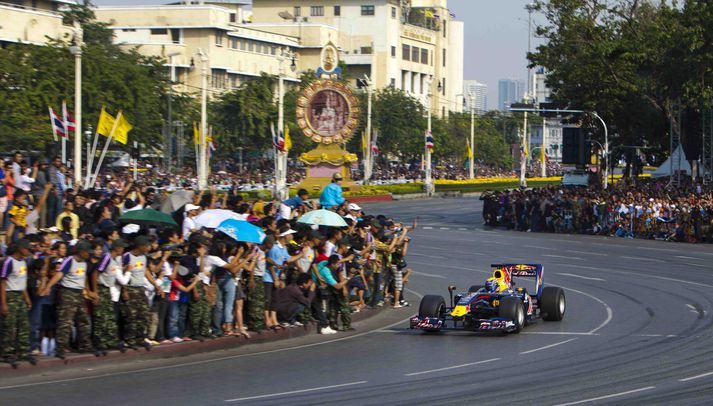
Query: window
[233,43]
[175,35]
[316,11]
[251,46]
[218,79]
[405,52]
[444,28]
[232,17]
[337,11]
[415,52]
[243,45]
[393,12]
[234,81]
[424,56]
[159,31]
[128,29]
[219,39]
[367,10]
[443,83]
[273,50]
[393,51]
[365,50]
[297,11]
[392,83]
[444,57]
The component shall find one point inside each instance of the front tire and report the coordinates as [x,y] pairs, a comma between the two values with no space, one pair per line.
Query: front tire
[511,308]
[432,306]
[552,303]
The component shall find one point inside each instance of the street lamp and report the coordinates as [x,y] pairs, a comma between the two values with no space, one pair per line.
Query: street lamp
[281,191]
[368,166]
[172,78]
[429,179]
[76,50]
[203,158]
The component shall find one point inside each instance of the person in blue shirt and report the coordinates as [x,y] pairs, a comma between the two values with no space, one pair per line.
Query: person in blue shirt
[288,207]
[278,258]
[331,196]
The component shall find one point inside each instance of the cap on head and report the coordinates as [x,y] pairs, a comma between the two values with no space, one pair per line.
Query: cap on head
[83,246]
[337,176]
[354,207]
[191,207]
[141,240]
[23,243]
[119,243]
[284,231]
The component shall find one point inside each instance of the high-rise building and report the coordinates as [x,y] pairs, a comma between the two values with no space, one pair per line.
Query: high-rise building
[509,91]
[479,91]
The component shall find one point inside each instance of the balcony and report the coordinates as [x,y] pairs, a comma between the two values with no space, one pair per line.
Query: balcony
[30,26]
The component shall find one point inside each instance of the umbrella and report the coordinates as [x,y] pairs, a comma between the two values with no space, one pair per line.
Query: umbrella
[147,217]
[213,218]
[241,230]
[176,200]
[323,218]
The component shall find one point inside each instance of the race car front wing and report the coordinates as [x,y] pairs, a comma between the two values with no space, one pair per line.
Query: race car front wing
[438,324]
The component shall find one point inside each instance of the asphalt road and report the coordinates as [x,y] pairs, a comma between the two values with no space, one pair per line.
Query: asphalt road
[637,330]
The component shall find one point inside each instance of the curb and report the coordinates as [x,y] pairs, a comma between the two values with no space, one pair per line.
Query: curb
[177,349]
[371,199]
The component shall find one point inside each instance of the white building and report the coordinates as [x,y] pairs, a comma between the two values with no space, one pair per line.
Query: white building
[398,43]
[25,22]
[479,92]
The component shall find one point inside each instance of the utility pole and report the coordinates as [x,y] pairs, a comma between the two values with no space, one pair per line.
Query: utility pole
[279,160]
[523,158]
[471,169]
[368,158]
[169,135]
[429,179]
[76,50]
[202,161]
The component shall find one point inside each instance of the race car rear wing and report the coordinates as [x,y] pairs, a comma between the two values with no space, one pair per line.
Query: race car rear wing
[522,270]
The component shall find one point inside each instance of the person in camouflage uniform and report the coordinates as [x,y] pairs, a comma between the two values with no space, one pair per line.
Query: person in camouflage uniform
[71,306]
[14,305]
[256,291]
[199,313]
[339,306]
[108,273]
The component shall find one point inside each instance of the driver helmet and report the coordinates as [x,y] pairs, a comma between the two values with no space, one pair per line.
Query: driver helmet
[491,285]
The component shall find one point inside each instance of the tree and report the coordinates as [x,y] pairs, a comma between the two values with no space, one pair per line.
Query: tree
[400,121]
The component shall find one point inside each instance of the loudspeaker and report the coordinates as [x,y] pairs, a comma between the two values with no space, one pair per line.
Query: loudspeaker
[575,147]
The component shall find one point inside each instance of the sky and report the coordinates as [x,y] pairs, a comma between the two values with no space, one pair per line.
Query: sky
[495,38]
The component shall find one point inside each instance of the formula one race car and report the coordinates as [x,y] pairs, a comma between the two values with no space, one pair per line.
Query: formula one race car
[497,306]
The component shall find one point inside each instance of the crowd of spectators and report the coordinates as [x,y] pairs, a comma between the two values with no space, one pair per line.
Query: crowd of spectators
[75,276]
[653,209]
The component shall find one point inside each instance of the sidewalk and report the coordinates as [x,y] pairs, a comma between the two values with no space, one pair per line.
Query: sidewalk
[177,349]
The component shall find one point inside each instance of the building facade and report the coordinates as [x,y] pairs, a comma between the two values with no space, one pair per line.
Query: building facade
[397,43]
[479,91]
[31,22]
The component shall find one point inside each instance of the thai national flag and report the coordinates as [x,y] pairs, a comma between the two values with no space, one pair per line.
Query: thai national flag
[374,147]
[58,128]
[429,140]
[68,119]
[278,140]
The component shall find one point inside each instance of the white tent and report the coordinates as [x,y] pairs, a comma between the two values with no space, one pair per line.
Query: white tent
[677,161]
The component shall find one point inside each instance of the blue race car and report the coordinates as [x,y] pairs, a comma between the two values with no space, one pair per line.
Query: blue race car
[497,306]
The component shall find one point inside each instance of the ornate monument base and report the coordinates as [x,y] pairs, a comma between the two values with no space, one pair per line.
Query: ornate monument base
[322,163]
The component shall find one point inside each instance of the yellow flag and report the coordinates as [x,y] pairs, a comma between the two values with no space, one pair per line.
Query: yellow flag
[527,151]
[363,142]
[469,150]
[121,133]
[196,134]
[542,153]
[429,14]
[288,140]
[106,123]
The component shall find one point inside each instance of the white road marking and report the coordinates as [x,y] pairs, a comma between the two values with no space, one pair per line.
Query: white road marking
[613,395]
[588,253]
[642,259]
[547,346]
[272,395]
[690,378]
[427,228]
[562,256]
[541,248]
[685,257]
[427,256]
[610,312]
[429,275]
[453,367]
[462,229]
[559,333]
[698,284]
[696,265]
[445,228]
[582,277]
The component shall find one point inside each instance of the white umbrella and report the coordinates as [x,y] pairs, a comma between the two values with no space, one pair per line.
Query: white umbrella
[213,218]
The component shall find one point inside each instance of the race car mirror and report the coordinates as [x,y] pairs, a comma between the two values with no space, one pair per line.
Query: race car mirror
[451,288]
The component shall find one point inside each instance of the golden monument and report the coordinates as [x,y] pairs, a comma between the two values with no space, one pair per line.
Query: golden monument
[327,113]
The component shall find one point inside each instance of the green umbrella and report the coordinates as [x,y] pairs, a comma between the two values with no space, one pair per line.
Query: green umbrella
[147,217]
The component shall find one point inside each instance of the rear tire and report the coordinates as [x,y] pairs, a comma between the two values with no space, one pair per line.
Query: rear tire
[552,303]
[511,308]
[474,288]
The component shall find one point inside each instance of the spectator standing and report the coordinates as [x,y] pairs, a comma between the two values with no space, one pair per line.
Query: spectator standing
[189,225]
[14,305]
[182,283]
[54,201]
[68,212]
[71,308]
[104,282]
[257,309]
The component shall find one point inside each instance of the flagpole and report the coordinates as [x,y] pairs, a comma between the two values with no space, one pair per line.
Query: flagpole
[64,150]
[90,159]
[54,127]
[106,147]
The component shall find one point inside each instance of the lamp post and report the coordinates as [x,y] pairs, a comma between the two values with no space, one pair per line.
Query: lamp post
[543,168]
[471,157]
[76,50]
[368,158]
[606,149]
[281,191]
[88,140]
[172,78]
[202,160]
